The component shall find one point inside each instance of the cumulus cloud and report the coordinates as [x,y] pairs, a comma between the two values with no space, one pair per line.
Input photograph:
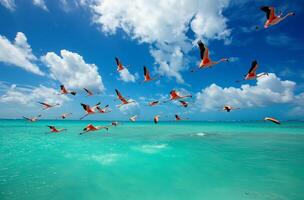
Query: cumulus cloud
[28,96]
[126,76]
[267,90]
[70,69]
[9,4]
[164,25]
[41,4]
[130,109]
[18,53]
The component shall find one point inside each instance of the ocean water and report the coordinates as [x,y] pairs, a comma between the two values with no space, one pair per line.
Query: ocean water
[138,161]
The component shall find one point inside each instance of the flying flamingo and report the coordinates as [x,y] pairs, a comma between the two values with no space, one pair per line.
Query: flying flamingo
[272,120]
[89,110]
[133,118]
[33,119]
[156,119]
[206,61]
[147,75]
[55,130]
[89,93]
[174,95]
[229,108]
[90,128]
[251,75]
[120,67]
[178,118]
[65,115]
[105,109]
[63,90]
[153,103]
[272,18]
[114,123]
[47,105]
[123,100]
[184,103]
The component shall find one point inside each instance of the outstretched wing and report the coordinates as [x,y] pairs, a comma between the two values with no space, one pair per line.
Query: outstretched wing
[202,48]
[120,97]
[146,72]
[253,68]
[63,90]
[27,118]
[269,11]
[88,91]
[118,94]
[45,104]
[85,106]
[96,105]
[184,103]
[117,61]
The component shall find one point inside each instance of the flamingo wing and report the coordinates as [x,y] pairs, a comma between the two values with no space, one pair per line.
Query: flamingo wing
[117,61]
[269,12]
[91,127]
[184,103]
[253,68]
[53,128]
[88,91]
[118,94]
[97,105]
[120,97]
[272,120]
[146,73]
[85,106]
[153,103]
[45,104]
[63,89]
[29,119]
[203,50]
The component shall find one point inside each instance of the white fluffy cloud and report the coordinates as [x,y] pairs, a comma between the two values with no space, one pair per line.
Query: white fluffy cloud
[70,69]
[18,53]
[40,3]
[29,96]
[163,25]
[130,109]
[267,90]
[126,76]
[9,4]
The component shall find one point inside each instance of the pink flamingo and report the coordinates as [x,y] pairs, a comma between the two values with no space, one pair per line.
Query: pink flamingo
[174,95]
[55,130]
[89,110]
[206,61]
[156,119]
[123,100]
[63,90]
[147,75]
[33,119]
[272,18]
[47,105]
[90,128]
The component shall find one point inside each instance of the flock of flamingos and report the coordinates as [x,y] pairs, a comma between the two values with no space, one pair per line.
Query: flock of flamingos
[206,62]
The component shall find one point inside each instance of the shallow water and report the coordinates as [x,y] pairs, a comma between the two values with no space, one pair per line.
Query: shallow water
[188,160]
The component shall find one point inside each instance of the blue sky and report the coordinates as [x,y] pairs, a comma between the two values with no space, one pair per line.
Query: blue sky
[91,33]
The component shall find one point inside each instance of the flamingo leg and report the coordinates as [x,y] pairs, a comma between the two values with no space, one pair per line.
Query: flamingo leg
[83,116]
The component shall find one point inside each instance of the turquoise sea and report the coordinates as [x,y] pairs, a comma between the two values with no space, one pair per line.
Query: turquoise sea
[139,161]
